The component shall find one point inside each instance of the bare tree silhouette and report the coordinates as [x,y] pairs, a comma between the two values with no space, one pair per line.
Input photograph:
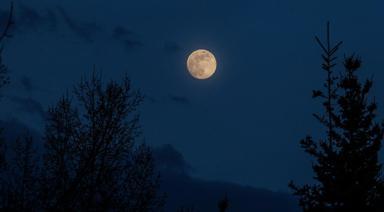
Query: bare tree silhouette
[22,186]
[92,161]
[5,33]
[4,79]
[346,168]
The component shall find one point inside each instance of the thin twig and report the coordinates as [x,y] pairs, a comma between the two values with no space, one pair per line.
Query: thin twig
[8,25]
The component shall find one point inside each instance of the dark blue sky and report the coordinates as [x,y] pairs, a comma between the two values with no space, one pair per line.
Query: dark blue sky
[243,125]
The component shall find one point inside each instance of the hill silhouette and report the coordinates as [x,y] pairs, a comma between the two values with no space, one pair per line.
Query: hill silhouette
[184,190]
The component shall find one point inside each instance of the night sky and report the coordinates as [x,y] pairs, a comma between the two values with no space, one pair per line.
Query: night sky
[243,125]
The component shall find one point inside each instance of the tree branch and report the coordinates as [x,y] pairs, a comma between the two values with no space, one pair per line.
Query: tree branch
[8,25]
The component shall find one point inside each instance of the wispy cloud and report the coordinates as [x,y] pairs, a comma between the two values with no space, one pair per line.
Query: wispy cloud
[86,31]
[27,105]
[56,19]
[127,37]
[130,44]
[27,84]
[120,32]
[28,18]
[172,47]
[179,99]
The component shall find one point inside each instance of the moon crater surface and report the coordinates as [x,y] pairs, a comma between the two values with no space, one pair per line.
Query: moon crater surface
[201,64]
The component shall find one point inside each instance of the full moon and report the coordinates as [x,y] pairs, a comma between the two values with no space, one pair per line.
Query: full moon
[201,64]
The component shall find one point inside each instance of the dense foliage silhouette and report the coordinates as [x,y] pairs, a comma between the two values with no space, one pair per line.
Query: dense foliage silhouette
[346,163]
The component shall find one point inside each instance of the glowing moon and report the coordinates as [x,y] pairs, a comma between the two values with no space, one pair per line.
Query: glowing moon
[201,64]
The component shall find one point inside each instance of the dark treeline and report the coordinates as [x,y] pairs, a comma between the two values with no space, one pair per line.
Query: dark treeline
[92,157]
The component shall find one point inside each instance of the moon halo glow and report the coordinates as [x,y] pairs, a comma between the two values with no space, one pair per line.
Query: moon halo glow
[201,64]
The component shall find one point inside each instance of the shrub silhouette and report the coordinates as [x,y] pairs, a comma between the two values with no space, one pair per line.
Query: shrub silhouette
[346,168]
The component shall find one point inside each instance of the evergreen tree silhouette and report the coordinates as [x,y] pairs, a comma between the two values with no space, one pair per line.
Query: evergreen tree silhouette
[346,161]
[223,204]
[92,160]
[186,209]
